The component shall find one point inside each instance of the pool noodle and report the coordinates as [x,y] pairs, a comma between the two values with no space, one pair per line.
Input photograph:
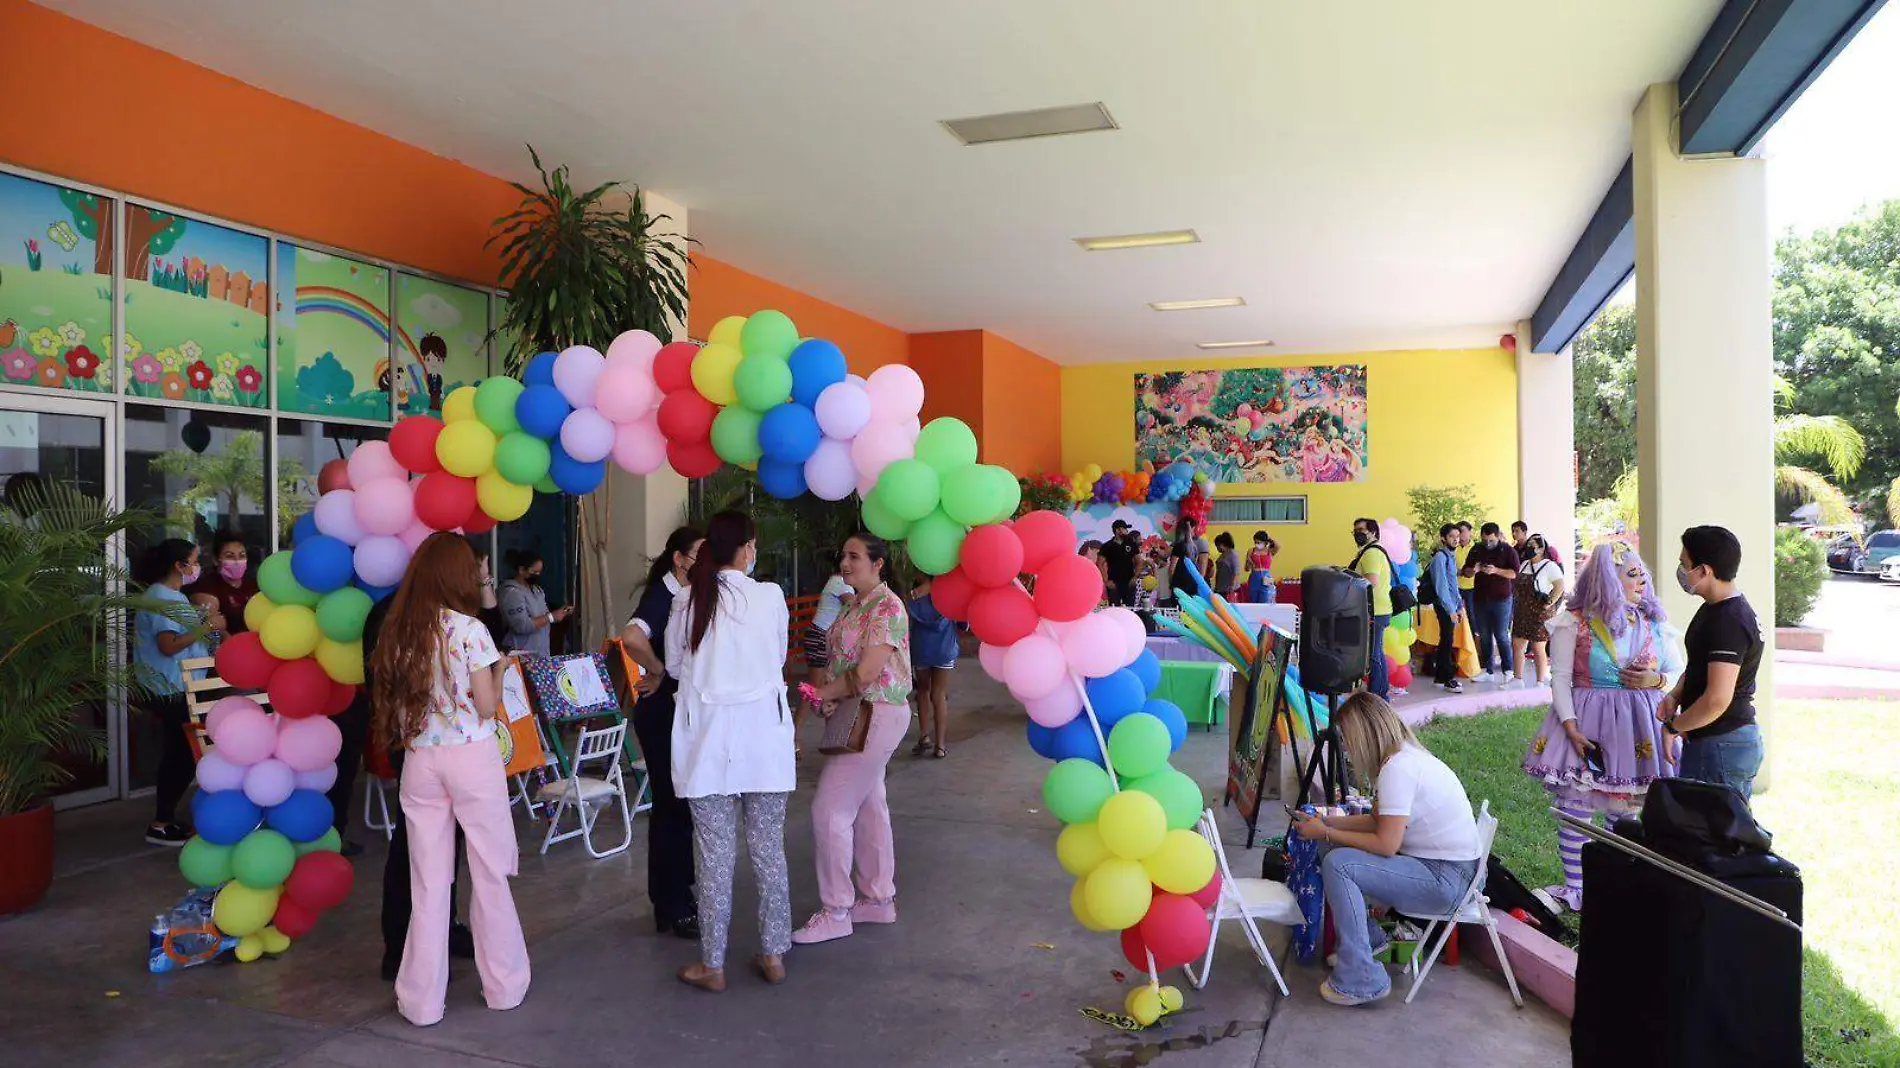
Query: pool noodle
[1240,626]
[1214,643]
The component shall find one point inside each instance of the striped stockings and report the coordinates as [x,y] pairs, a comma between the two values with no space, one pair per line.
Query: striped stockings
[1570,848]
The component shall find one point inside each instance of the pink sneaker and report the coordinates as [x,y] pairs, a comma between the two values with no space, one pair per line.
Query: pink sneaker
[822,927]
[868,911]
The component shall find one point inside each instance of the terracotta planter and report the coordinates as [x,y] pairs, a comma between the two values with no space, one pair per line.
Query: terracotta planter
[26,858]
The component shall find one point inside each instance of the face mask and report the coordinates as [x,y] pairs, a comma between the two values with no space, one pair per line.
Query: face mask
[1360,537]
[233,570]
[1683,579]
[191,574]
[751,562]
[534,580]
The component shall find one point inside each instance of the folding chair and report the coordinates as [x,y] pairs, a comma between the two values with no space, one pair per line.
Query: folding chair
[1473,907]
[203,689]
[587,794]
[376,814]
[1245,900]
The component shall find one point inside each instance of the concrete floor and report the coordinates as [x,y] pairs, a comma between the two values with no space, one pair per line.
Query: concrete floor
[960,981]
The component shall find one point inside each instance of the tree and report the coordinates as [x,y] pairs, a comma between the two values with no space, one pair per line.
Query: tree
[92,217]
[1828,437]
[1603,377]
[225,477]
[152,232]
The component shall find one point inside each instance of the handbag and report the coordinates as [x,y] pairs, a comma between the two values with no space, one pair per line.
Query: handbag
[846,734]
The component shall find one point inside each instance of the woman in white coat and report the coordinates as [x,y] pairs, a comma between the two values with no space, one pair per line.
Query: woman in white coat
[732,741]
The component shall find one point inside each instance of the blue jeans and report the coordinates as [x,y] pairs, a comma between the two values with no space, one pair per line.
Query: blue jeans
[1378,683]
[1412,885]
[1491,629]
[1732,759]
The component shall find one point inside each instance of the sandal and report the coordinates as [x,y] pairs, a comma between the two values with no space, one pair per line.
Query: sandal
[939,752]
[922,747]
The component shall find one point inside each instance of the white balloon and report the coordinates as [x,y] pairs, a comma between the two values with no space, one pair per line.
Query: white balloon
[829,473]
[575,371]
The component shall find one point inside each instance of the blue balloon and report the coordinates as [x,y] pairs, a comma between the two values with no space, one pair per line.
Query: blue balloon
[1170,713]
[304,816]
[322,563]
[1115,696]
[782,480]
[1147,668]
[304,528]
[539,372]
[573,476]
[1043,740]
[224,817]
[541,409]
[1076,739]
[376,593]
[816,364]
[789,434]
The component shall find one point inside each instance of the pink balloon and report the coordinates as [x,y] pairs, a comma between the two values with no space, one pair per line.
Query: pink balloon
[867,483]
[385,505]
[225,707]
[216,773]
[414,535]
[319,780]
[576,371]
[991,657]
[878,446]
[245,736]
[829,474]
[269,782]
[624,392]
[843,409]
[1034,667]
[1396,540]
[1095,646]
[896,392]
[309,743]
[380,560]
[372,460]
[1133,633]
[639,447]
[634,348]
[335,515]
[1059,707]
[587,435]
[913,428]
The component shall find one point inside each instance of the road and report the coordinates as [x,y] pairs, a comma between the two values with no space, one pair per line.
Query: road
[1862,618]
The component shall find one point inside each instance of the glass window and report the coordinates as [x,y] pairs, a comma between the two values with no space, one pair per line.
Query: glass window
[303,447]
[544,530]
[332,334]
[1259,510]
[196,297]
[55,286]
[203,470]
[443,341]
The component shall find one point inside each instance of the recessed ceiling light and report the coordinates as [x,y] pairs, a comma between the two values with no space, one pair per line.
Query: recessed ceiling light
[1262,344]
[1150,240]
[1196,305]
[1024,125]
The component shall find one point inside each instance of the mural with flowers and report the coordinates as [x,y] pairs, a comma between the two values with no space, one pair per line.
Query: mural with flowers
[55,300]
[196,301]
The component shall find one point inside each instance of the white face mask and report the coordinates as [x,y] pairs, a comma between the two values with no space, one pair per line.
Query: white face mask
[752,560]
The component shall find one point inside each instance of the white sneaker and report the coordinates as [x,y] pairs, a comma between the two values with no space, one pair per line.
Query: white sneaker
[1482,676]
[1510,676]
[1514,684]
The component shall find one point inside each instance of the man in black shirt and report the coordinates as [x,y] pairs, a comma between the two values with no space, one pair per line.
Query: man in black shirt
[1119,554]
[1713,706]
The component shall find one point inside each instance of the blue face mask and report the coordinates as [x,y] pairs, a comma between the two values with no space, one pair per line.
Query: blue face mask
[752,563]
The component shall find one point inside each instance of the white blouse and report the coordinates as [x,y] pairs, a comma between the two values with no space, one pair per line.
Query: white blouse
[732,728]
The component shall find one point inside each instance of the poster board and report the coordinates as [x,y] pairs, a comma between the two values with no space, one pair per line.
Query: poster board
[1250,733]
[522,750]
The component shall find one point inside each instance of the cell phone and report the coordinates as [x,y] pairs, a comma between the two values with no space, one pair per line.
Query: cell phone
[1593,758]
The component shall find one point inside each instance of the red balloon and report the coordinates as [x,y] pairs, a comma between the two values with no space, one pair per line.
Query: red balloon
[1045,536]
[478,522]
[952,594]
[341,694]
[1068,588]
[412,443]
[1175,929]
[243,663]
[321,880]
[694,459]
[444,501]
[1401,674]
[673,366]
[300,688]
[1208,895]
[1003,616]
[292,919]
[992,556]
[685,416]
[334,475]
[1135,949]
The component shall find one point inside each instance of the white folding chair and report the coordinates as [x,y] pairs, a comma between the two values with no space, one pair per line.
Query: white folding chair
[1473,907]
[1245,900]
[588,795]
[376,815]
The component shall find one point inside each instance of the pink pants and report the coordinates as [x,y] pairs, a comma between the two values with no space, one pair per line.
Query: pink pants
[851,821]
[441,787]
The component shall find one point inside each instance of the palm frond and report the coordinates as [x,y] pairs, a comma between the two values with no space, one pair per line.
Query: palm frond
[1893,502]
[1829,437]
[1812,487]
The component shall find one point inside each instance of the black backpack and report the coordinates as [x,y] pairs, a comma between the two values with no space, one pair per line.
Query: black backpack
[1403,600]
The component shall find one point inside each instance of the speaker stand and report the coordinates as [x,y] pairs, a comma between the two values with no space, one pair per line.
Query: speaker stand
[1326,762]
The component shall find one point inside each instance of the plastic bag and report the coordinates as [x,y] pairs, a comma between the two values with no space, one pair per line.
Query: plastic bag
[184,935]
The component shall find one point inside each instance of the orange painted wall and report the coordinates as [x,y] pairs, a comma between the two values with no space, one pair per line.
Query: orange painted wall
[951,365]
[120,114]
[719,289]
[1022,408]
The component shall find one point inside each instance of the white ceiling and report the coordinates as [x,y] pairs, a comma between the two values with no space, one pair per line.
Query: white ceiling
[1374,175]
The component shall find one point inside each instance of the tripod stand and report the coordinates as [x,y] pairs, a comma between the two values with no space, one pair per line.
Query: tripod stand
[1327,761]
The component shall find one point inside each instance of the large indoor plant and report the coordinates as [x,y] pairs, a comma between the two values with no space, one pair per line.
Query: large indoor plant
[62,593]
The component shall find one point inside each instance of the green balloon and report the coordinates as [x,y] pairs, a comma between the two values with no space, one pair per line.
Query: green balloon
[203,863]
[1009,493]
[495,405]
[935,542]
[909,488]
[1075,790]
[735,435]
[769,333]
[277,583]
[947,444]
[331,842]
[1179,795]
[972,495]
[521,457]
[882,521]
[341,613]
[546,485]
[263,859]
[1139,745]
[762,382]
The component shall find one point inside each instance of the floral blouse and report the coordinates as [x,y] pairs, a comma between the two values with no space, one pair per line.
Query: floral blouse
[462,648]
[877,618]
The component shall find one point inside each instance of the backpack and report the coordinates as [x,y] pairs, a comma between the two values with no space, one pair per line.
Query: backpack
[1403,600]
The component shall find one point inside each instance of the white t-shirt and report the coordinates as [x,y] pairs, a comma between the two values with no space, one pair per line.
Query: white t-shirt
[1439,824]
[462,648]
[830,602]
[1544,572]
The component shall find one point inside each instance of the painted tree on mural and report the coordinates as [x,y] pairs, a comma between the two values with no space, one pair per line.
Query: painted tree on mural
[92,217]
[152,232]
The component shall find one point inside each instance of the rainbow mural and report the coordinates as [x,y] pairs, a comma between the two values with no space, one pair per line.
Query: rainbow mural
[331,300]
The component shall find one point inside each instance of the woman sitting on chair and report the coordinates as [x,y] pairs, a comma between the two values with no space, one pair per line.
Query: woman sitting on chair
[1416,852]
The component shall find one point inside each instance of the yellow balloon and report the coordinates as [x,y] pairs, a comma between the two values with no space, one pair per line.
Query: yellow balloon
[1092,472]
[727,332]
[1079,849]
[459,405]
[249,948]
[1149,583]
[343,661]
[713,368]
[239,910]
[1171,999]
[1132,824]
[290,632]
[1080,907]
[276,941]
[500,498]
[256,611]
[1182,865]
[466,448]
[1117,893]
[1144,1004]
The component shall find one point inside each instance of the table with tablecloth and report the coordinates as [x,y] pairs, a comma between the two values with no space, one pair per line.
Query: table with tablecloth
[1199,689]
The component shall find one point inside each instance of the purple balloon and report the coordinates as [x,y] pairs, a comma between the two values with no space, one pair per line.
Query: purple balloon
[843,409]
[576,370]
[380,560]
[269,782]
[217,773]
[319,780]
[830,474]
[586,435]
[336,516]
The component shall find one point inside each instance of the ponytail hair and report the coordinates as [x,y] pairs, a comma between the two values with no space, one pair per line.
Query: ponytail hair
[726,536]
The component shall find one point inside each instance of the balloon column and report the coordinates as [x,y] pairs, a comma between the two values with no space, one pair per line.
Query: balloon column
[1172,483]
[1400,635]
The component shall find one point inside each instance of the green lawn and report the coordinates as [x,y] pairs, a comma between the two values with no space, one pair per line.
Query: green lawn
[1836,816]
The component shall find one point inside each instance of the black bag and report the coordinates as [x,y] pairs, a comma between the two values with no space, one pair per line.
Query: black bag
[1426,597]
[1509,894]
[1696,822]
[1403,599]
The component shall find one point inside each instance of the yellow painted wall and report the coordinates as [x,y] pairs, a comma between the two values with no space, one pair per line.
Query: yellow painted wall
[1434,418]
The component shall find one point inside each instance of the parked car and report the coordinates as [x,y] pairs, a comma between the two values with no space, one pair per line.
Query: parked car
[1890,571]
[1852,556]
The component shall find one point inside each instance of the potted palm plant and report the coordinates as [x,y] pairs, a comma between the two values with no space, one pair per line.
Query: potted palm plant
[62,593]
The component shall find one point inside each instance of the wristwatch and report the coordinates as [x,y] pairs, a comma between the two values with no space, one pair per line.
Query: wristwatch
[1670,727]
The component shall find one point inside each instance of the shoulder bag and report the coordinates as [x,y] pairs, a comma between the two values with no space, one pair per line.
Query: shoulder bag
[846,733]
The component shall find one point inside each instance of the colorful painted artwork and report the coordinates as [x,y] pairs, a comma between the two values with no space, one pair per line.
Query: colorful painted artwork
[444,341]
[1257,424]
[55,286]
[196,297]
[332,334]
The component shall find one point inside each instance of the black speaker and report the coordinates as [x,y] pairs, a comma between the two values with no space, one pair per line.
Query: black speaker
[1335,629]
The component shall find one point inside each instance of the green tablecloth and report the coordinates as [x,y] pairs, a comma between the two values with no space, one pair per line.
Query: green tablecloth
[1196,689]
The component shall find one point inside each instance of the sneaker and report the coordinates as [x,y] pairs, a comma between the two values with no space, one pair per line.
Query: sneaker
[822,927]
[1454,686]
[169,835]
[1397,691]
[1482,677]
[351,849]
[1514,684]
[461,941]
[868,911]
[1327,992]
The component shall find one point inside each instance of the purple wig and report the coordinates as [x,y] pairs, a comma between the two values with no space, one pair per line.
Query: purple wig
[1599,593]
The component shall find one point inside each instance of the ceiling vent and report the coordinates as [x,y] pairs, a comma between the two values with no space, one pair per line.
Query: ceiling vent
[1023,125]
[1261,344]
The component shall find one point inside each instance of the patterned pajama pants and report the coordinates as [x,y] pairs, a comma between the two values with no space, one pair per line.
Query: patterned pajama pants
[716,854]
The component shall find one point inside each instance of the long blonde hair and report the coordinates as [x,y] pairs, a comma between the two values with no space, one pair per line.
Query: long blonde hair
[1370,732]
